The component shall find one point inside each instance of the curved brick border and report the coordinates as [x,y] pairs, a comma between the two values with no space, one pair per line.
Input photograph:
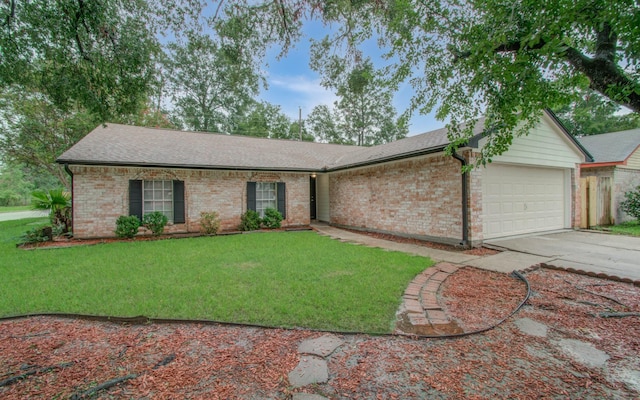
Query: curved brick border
[420,300]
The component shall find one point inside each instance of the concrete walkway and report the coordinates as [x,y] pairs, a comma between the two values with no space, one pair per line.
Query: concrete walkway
[10,216]
[506,261]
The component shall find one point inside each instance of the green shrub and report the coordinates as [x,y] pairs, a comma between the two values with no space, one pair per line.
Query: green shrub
[36,235]
[272,218]
[249,221]
[155,222]
[209,222]
[127,226]
[631,204]
[58,203]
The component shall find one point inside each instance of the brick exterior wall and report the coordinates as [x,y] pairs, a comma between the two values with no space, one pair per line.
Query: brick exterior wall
[101,195]
[475,201]
[416,198]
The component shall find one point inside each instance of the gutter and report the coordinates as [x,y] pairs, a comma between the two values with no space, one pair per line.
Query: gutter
[465,203]
[68,171]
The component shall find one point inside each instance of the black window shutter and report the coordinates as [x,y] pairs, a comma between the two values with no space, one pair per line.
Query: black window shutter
[178,202]
[251,196]
[135,198]
[282,200]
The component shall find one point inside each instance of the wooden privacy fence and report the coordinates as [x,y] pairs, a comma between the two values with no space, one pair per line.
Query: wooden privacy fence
[595,193]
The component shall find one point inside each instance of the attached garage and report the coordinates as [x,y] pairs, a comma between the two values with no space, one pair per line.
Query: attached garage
[522,199]
[529,188]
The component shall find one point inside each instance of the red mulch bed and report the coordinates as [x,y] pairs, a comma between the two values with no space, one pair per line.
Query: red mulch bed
[223,362]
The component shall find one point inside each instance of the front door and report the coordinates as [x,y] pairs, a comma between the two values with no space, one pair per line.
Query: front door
[312,196]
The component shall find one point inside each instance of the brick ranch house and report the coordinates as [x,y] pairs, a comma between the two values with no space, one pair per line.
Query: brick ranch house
[408,187]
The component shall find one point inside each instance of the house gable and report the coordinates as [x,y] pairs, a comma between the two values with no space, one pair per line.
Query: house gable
[633,162]
[546,145]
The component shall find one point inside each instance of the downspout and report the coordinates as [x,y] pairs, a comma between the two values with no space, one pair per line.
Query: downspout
[465,203]
[68,171]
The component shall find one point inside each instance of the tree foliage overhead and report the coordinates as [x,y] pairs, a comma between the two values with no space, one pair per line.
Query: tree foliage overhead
[505,59]
[36,131]
[363,114]
[266,120]
[97,53]
[210,82]
[593,114]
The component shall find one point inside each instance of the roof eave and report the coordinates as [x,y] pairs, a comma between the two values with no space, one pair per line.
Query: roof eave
[396,157]
[601,164]
[185,166]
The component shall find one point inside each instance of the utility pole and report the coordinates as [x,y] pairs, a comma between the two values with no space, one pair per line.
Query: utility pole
[300,122]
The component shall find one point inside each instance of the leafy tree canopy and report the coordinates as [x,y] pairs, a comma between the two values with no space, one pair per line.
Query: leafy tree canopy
[210,82]
[364,114]
[36,131]
[266,120]
[96,53]
[593,114]
[507,60]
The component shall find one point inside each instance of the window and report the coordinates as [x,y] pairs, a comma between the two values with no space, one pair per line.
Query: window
[163,195]
[262,195]
[158,196]
[266,196]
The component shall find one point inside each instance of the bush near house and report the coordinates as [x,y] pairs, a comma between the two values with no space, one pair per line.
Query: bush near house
[250,221]
[272,218]
[209,222]
[155,222]
[127,226]
[631,204]
[58,203]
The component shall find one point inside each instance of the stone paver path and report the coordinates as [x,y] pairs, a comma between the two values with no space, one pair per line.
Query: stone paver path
[312,367]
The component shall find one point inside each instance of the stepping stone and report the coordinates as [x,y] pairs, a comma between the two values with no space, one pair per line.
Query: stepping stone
[531,327]
[310,369]
[308,396]
[322,346]
[583,352]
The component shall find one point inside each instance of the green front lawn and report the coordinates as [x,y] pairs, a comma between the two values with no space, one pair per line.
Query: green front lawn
[292,279]
[631,228]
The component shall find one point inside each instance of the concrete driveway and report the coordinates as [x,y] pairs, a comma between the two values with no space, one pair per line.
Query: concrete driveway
[589,251]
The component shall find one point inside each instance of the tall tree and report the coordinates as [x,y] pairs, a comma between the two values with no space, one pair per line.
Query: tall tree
[324,123]
[365,105]
[267,120]
[505,59]
[36,131]
[593,114]
[96,53]
[210,82]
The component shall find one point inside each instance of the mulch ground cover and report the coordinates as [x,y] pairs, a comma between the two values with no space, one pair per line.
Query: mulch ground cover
[46,357]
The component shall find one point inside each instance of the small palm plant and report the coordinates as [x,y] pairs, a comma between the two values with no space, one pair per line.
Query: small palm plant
[58,202]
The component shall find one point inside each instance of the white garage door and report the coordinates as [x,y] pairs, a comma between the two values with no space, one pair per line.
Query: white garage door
[517,200]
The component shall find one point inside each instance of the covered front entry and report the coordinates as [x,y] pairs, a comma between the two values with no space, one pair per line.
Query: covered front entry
[523,199]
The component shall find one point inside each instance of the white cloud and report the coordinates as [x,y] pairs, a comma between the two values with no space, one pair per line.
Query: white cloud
[291,92]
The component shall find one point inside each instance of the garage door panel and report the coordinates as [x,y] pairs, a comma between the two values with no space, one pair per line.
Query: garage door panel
[518,199]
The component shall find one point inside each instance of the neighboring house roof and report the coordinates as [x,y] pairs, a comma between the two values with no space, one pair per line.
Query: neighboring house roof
[115,144]
[611,148]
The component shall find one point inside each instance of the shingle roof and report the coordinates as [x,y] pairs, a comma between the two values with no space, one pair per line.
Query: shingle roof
[115,144]
[612,147]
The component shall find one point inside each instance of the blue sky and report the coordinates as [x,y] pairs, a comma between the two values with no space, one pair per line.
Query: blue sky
[292,84]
